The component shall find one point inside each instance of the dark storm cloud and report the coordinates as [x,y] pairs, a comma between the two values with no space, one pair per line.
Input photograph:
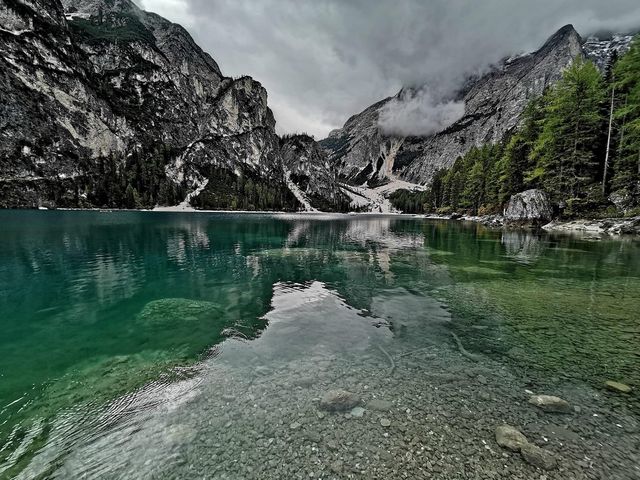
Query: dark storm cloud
[324,60]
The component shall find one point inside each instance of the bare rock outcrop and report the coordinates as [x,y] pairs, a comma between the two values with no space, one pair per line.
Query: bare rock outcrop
[528,207]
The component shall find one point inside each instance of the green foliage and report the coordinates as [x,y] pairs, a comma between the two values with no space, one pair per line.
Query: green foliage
[247,191]
[626,161]
[135,181]
[408,201]
[568,150]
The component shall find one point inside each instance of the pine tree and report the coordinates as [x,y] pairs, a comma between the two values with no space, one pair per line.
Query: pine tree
[516,167]
[566,150]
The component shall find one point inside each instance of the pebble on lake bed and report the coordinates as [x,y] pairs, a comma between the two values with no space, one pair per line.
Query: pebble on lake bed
[617,386]
[385,422]
[549,403]
[538,457]
[339,401]
[510,437]
[357,412]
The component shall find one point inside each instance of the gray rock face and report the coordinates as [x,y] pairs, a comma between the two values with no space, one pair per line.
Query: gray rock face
[307,167]
[599,50]
[92,82]
[494,104]
[622,200]
[530,206]
[339,401]
[510,438]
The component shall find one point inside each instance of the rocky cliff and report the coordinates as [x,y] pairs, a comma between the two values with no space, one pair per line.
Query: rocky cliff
[310,174]
[107,105]
[494,104]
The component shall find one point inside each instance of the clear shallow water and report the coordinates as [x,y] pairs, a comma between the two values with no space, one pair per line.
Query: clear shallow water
[197,345]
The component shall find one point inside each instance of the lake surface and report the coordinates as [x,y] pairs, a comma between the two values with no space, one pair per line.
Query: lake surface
[195,345]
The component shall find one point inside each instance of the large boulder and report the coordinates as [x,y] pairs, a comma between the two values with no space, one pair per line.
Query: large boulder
[528,207]
[622,200]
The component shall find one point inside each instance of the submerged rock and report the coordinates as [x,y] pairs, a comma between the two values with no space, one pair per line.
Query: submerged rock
[339,401]
[337,467]
[538,457]
[173,312]
[617,386]
[357,412]
[549,403]
[530,206]
[385,422]
[510,437]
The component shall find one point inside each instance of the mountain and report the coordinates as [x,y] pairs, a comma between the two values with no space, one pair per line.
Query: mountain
[494,104]
[105,105]
[310,174]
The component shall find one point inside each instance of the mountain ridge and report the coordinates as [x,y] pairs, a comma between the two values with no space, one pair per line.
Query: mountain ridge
[124,109]
[494,103]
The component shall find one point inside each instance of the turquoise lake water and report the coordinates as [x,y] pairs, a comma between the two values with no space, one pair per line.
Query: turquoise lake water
[131,340]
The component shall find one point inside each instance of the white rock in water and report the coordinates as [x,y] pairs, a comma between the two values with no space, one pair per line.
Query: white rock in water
[549,403]
[530,206]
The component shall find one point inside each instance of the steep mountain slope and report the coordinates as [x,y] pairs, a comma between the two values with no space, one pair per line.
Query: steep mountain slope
[107,105]
[307,167]
[494,104]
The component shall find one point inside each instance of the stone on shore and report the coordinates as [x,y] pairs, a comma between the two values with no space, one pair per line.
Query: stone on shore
[549,403]
[339,401]
[510,438]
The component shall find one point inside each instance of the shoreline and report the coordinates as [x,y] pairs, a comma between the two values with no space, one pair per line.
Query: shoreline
[610,226]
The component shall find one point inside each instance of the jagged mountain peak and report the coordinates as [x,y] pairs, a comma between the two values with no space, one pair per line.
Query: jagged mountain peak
[567,35]
[566,31]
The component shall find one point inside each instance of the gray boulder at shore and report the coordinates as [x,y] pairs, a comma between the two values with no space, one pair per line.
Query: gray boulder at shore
[530,206]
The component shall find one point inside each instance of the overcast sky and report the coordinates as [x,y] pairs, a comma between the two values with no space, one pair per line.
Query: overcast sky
[323,60]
